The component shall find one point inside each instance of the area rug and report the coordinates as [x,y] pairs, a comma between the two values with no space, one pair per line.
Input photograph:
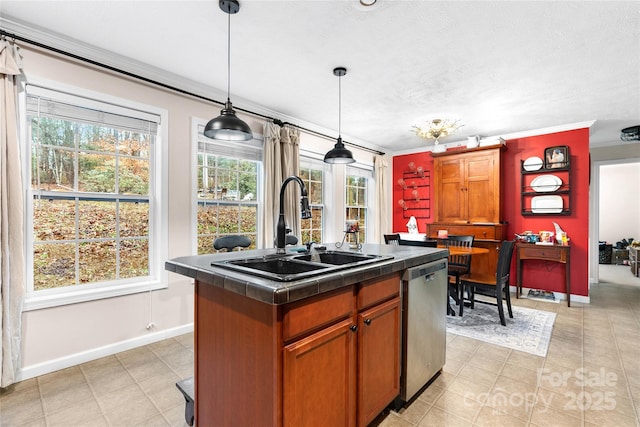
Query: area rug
[528,331]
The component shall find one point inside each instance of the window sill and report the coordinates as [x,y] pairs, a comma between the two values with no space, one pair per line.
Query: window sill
[73,296]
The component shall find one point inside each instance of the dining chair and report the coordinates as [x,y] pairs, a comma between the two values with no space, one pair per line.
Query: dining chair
[423,243]
[290,239]
[495,286]
[459,265]
[231,242]
[392,239]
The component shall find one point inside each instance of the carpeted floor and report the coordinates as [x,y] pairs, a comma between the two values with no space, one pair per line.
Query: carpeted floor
[619,274]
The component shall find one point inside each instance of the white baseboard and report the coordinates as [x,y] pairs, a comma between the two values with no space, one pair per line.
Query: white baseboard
[559,295]
[49,366]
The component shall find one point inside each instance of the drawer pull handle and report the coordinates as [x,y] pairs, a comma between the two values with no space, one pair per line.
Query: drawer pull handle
[354,328]
[367,321]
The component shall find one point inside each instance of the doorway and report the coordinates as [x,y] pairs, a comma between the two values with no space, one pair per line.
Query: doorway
[615,208]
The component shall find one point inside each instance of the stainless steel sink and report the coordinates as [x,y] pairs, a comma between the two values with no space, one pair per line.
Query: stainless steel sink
[285,268]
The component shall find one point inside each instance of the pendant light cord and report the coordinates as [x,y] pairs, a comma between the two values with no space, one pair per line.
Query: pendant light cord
[228,56]
[339,106]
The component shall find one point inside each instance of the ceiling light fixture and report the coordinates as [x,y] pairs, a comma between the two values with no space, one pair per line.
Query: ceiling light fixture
[227,126]
[436,129]
[367,2]
[339,154]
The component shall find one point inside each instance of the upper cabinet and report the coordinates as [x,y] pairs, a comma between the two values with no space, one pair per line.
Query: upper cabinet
[468,186]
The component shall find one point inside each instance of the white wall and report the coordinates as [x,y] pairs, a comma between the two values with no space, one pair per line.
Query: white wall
[619,202]
[58,337]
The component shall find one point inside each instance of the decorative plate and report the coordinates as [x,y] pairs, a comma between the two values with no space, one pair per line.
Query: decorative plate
[532,164]
[546,204]
[546,183]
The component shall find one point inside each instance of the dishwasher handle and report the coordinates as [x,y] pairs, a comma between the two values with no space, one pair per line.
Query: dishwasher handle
[424,270]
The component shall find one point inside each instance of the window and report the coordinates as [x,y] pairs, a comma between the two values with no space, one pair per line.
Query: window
[227,189]
[311,173]
[357,191]
[92,207]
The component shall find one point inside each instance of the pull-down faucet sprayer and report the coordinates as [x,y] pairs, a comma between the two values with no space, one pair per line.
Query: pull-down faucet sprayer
[305,211]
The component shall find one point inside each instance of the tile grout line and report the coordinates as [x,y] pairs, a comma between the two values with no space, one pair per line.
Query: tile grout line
[172,370]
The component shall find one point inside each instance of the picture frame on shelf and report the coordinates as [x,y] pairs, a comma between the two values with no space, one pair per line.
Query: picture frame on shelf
[556,157]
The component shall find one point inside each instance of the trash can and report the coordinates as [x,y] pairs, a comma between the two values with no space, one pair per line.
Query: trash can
[605,253]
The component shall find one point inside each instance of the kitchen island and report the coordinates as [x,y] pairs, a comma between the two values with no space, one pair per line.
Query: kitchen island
[323,350]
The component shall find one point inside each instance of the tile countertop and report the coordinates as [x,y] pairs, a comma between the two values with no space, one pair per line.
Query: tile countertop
[269,291]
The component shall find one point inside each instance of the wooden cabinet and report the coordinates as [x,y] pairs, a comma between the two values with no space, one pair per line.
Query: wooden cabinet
[320,378]
[331,359]
[468,186]
[468,200]
[378,347]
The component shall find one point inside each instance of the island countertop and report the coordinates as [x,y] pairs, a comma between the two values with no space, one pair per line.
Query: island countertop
[275,292]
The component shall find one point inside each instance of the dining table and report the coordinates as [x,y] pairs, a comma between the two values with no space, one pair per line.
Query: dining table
[459,250]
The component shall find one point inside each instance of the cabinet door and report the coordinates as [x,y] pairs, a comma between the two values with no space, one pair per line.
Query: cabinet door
[468,187]
[482,188]
[319,378]
[378,359]
[450,197]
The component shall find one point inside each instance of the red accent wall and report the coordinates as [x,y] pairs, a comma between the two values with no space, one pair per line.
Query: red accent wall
[536,274]
[401,165]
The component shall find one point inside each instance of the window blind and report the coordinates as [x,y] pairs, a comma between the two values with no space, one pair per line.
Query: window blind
[246,150]
[47,103]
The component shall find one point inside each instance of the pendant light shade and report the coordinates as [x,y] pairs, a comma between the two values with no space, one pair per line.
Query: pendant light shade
[339,154]
[227,126]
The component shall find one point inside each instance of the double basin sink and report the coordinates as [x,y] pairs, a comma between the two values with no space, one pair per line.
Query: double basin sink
[289,267]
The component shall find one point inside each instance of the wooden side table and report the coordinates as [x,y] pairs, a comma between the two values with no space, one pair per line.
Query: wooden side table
[553,253]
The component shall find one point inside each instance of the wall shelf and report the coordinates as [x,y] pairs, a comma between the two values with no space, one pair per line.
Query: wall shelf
[416,188]
[554,198]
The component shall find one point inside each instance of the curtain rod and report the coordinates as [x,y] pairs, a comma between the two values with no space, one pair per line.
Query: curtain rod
[4,33]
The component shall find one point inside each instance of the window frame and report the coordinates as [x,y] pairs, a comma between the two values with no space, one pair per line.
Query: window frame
[366,172]
[158,193]
[246,147]
[309,161]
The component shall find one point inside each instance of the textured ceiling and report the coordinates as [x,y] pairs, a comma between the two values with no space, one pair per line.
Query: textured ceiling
[500,67]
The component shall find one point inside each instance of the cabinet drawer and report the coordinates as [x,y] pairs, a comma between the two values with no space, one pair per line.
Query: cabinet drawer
[306,316]
[377,290]
[541,253]
[482,232]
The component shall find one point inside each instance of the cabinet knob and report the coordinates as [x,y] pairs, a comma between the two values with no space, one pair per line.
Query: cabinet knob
[354,328]
[367,321]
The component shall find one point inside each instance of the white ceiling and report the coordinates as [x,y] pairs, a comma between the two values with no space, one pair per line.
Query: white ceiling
[501,67]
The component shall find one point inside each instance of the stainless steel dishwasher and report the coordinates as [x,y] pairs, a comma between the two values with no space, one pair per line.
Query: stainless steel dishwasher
[424,327]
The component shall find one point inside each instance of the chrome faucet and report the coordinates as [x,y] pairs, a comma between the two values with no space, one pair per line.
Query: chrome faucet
[305,212]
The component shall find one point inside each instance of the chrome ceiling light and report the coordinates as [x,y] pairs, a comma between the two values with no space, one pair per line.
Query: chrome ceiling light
[339,154]
[227,126]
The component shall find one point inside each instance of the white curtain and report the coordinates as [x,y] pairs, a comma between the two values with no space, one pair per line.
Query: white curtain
[12,281]
[281,160]
[381,225]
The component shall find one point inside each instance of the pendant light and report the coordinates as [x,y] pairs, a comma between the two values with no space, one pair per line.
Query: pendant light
[227,126]
[339,154]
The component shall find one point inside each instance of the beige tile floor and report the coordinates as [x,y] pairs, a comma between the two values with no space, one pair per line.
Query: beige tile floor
[590,377]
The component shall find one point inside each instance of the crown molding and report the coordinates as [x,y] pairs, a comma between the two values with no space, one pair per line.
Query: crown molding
[506,136]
